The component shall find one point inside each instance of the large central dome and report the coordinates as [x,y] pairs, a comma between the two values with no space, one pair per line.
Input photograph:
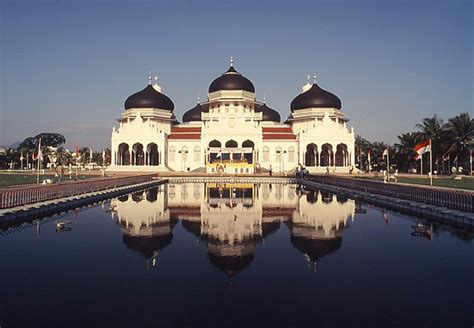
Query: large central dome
[315,97]
[231,80]
[149,97]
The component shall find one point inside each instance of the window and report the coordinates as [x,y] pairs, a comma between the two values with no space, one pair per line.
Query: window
[291,154]
[172,153]
[266,154]
[278,153]
[197,154]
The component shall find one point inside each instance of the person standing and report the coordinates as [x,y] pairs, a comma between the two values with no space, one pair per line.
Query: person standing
[270,170]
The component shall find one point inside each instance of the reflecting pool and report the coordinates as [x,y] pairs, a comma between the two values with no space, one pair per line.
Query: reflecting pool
[235,255]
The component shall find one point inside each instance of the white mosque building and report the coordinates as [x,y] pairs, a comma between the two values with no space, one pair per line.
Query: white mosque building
[232,132]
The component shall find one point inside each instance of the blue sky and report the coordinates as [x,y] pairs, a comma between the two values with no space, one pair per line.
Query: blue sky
[68,66]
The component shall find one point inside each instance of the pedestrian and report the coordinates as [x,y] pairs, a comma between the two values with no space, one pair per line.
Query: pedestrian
[270,169]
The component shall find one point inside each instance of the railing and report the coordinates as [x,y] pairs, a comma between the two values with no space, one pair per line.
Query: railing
[27,194]
[456,199]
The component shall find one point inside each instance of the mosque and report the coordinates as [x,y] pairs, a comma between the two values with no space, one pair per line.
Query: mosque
[232,132]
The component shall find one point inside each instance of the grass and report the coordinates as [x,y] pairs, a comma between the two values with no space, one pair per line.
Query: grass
[447,182]
[15,178]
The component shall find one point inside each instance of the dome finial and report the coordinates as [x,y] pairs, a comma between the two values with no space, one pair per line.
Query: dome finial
[149,78]
[231,61]
[156,79]
[199,99]
[308,78]
[264,97]
[314,78]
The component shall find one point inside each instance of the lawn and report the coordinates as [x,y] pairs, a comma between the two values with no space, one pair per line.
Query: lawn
[448,182]
[15,178]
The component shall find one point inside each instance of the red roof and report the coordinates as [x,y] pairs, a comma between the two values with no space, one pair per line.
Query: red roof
[185,129]
[184,136]
[279,136]
[277,129]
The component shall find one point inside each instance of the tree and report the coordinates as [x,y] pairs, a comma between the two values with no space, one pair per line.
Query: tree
[361,148]
[434,129]
[404,150]
[47,139]
[461,136]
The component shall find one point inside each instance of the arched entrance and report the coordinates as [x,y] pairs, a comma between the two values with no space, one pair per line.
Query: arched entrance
[326,155]
[248,157]
[152,154]
[123,157]
[341,155]
[138,157]
[311,156]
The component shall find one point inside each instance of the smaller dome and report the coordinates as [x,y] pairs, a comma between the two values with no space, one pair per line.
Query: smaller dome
[149,98]
[268,114]
[231,80]
[315,97]
[194,114]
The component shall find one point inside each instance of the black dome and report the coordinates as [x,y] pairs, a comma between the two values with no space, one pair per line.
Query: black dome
[194,114]
[268,114]
[149,98]
[315,97]
[316,248]
[231,80]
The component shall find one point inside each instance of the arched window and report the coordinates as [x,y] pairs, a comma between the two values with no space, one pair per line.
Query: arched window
[278,154]
[215,143]
[266,154]
[231,144]
[197,154]
[291,154]
[172,154]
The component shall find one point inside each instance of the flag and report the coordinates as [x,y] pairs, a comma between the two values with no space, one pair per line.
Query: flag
[39,155]
[21,156]
[90,153]
[77,151]
[417,157]
[446,157]
[385,152]
[423,147]
[368,155]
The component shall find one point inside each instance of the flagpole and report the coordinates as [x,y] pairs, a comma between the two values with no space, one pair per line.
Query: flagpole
[388,163]
[421,164]
[431,165]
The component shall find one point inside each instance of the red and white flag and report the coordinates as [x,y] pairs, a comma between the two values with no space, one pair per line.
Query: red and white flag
[417,157]
[385,152]
[423,147]
[446,157]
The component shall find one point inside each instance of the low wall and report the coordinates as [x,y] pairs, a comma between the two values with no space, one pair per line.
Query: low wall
[462,200]
[28,194]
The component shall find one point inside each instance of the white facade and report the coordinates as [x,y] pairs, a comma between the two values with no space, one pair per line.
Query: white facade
[231,134]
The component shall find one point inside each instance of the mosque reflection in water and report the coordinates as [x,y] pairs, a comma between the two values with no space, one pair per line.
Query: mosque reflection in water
[232,219]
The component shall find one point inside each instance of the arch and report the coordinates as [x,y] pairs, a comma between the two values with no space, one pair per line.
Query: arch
[152,157]
[326,197]
[123,157]
[278,155]
[215,143]
[123,198]
[326,156]
[291,154]
[341,154]
[266,154]
[197,154]
[137,196]
[248,157]
[172,154]
[312,196]
[311,155]
[138,157]
[152,195]
[231,144]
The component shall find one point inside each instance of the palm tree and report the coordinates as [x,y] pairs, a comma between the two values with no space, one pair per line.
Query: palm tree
[361,148]
[404,149]
[461,136]
[433,128]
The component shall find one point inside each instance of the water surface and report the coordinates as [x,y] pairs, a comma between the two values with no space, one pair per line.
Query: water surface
[235,255]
